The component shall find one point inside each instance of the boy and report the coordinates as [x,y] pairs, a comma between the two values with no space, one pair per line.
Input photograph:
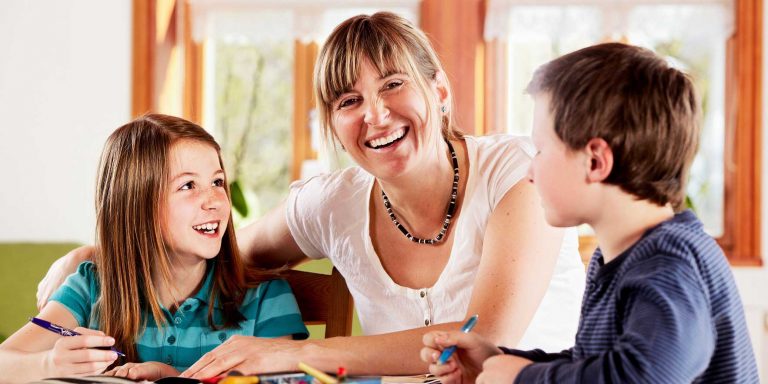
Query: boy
[616,131]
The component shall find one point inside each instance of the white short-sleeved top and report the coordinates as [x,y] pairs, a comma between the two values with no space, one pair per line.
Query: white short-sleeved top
[328,216]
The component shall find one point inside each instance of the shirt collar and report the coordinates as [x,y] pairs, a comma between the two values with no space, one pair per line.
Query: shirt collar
[204,293]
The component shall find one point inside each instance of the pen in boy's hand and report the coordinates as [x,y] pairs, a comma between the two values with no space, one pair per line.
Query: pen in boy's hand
[449,351]
[63,331]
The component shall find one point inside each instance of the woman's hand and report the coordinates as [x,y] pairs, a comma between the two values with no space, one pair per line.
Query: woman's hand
[59,271]
[151,370]
[77,355]
[465,364]
[247,354]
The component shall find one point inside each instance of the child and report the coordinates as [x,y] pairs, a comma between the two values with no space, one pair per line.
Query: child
[616,130]
[166,284]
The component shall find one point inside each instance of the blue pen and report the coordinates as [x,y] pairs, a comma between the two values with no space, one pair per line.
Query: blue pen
[449,351]
[63,331]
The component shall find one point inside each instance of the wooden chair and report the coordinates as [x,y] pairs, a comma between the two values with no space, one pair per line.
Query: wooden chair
[323,299]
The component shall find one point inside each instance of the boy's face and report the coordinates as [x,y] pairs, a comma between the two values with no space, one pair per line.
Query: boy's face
[558,172]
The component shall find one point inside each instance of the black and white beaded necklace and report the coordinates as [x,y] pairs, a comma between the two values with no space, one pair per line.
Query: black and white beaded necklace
[449,212]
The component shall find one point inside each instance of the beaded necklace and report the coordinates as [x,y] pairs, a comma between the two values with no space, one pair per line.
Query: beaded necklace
[449,212]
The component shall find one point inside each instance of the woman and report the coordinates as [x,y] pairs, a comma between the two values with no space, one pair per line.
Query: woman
[424,227]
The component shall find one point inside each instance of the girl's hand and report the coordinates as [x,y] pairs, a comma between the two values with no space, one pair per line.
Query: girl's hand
[465,364]
[151,370]
[76,355]
[502,369]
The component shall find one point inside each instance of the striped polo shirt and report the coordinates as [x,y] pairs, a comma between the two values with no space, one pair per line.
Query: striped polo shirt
[270,311]
[664,311]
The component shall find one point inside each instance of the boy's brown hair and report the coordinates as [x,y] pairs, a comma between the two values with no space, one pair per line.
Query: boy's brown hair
[644,109]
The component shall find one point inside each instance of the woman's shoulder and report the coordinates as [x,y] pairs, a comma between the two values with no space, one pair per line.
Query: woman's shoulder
[501,144]
[501,159]
[330,192]
[350,179]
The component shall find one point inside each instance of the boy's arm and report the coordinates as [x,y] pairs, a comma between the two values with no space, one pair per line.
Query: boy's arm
[537,355]
[668,334]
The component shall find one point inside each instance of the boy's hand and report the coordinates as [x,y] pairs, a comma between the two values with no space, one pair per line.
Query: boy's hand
[76,355]
[465,364]
[501,369]
[151,370]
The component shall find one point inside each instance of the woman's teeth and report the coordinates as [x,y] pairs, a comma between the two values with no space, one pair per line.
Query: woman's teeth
[387,140]
[207,228]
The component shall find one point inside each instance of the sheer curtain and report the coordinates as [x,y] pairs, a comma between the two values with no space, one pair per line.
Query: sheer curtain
[691,35]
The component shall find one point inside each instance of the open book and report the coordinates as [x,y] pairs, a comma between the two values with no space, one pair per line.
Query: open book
[275,378]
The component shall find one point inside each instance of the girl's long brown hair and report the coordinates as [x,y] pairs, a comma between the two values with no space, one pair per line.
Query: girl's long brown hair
[130,191]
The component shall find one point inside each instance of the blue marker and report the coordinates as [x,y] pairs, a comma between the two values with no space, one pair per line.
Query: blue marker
[449,351]
[63,331]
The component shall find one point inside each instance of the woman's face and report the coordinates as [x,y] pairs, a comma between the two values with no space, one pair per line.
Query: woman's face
[382,121]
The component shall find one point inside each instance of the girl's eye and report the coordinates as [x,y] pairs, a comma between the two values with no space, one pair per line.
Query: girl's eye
[218,183]
[187,186]
[347,102]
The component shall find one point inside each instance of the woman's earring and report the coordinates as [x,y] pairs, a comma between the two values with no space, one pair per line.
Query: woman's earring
[443,108]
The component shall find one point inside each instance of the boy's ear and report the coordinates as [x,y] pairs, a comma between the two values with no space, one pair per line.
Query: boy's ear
[600,158]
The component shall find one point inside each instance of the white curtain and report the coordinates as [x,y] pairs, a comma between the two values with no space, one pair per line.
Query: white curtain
[304,20]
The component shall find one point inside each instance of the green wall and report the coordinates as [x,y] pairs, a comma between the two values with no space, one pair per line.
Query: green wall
[23,265]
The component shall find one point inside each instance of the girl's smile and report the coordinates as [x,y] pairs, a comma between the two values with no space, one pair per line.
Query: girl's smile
[197,208]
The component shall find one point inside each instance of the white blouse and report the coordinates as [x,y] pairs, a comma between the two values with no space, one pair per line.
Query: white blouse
[328,216]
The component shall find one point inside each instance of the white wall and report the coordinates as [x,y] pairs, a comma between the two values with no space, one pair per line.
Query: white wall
[65,84]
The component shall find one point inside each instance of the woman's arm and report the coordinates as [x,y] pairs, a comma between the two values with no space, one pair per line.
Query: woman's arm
[520,251]
[32,352]
[519,255]
[268,243]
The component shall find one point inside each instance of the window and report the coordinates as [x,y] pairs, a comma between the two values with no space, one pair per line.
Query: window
[694,36]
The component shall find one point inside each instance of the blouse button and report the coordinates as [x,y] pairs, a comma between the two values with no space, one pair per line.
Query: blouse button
[169,360]
[426,321]
[423,293]
[222,336]
[171,339]
[187,307]
[177,320]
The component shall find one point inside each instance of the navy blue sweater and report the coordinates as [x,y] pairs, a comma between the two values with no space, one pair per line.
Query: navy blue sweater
[664,311]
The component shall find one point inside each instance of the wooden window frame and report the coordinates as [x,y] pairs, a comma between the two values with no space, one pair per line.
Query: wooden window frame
[463,50]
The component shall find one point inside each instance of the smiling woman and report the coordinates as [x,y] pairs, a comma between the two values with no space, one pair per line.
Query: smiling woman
[429,228]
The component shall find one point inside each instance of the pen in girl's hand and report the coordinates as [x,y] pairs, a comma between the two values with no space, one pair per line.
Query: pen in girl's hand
[63,331]
[449,351]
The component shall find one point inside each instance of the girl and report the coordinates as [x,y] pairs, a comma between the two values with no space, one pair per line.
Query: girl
[166,283]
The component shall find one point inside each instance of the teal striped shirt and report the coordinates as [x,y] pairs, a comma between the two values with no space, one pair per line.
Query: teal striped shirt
[270,311]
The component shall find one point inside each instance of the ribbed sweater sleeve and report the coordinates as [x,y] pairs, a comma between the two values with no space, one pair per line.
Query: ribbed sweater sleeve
[667,332]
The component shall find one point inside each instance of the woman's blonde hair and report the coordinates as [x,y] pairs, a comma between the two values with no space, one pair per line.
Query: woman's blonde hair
[391,44]
[130,193]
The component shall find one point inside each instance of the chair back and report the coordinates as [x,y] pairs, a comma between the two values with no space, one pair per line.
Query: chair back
[323,299]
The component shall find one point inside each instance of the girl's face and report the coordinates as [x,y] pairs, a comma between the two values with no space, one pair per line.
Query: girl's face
[196,209]
[382,121]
